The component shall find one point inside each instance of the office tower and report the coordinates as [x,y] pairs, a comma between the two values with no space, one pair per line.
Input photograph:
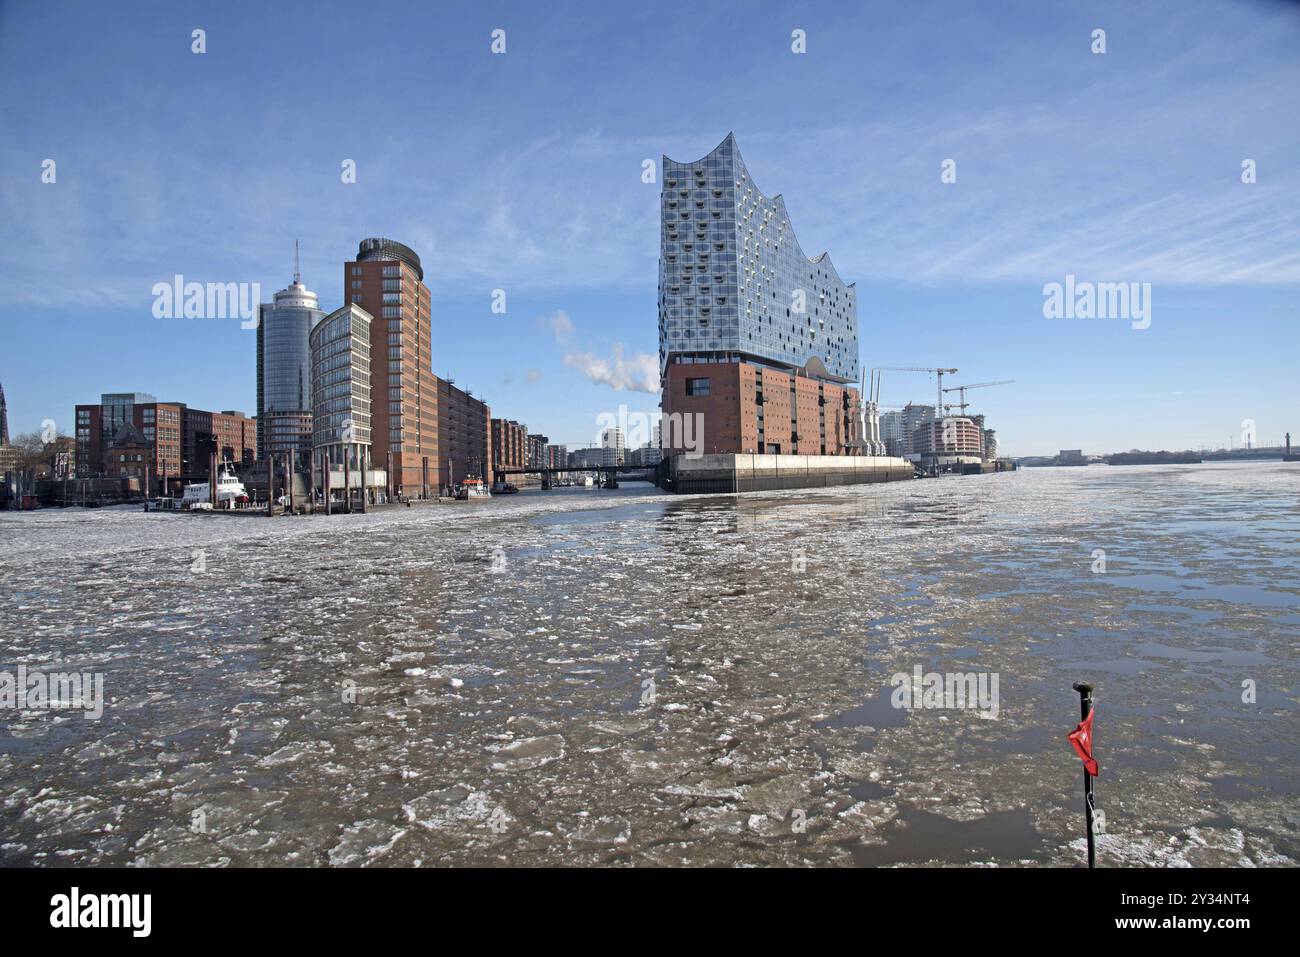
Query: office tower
[284,391]
[387,281]
[614,444]
[341,397]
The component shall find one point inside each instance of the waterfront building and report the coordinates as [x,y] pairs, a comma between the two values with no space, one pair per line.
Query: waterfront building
[230,434]
[614,443]
[557,457]
[4,419]
[129,454]
[951,435]
[509,444]
[914,419]
[754,336]
[587,458]
[387,281]
[891,431]
[10,458]
[647,455]
[284,390]
[464,436]
[342,390]
[537,450]
[178,441]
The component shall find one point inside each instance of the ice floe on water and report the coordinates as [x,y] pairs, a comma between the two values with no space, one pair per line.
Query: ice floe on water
[655,680]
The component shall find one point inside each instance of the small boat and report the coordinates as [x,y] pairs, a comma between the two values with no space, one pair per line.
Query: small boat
[229,491]
[472,488]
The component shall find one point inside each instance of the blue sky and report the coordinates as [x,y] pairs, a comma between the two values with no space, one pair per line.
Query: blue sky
[522,172]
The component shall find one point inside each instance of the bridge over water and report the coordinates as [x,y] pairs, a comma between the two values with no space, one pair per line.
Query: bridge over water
[607,474]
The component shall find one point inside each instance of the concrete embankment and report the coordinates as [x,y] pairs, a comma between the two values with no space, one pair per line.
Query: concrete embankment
[764,473]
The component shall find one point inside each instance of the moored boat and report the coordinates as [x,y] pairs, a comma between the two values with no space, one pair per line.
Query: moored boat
[229,491]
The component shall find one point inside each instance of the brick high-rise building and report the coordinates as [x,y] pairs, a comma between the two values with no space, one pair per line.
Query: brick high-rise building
[464,436]
[755,336]
[387,281]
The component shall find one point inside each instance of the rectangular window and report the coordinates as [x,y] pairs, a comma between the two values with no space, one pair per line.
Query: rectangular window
[697,386]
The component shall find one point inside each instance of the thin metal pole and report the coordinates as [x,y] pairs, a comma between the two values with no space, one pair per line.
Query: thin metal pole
[1085,705]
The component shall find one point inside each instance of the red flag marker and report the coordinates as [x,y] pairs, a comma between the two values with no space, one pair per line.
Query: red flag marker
[1081,738]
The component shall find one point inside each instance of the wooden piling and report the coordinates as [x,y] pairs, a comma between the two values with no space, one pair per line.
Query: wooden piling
[361,453]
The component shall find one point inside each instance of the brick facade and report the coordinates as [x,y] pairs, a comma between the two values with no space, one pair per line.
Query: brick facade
[747,408]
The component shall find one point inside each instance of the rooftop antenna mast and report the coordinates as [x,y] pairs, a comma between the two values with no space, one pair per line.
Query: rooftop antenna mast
[297,274]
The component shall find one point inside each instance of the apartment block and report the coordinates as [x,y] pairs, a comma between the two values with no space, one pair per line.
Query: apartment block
[464,436]
[387,281]
[509,444]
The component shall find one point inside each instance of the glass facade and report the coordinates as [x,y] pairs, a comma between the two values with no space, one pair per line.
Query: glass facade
[733,281]
[340,357]
[119,410]
[284,398]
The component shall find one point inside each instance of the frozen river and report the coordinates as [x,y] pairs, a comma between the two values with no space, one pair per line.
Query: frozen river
[623,677]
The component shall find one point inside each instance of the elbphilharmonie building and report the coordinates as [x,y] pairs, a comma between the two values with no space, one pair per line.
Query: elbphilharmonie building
[757,342]
[734,281]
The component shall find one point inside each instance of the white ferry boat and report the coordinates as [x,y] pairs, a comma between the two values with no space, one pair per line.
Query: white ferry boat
[229,491]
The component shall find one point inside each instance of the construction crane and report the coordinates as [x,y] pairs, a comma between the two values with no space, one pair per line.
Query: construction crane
[938,406]
[962,389]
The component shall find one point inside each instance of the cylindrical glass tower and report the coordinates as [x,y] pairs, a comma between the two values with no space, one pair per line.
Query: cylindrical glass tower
[284,370]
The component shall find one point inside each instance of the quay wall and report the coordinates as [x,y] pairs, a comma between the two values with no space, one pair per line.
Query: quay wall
[730,472]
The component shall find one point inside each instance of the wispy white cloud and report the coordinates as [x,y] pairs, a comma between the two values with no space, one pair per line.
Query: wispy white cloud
[637,373]
[558,324]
